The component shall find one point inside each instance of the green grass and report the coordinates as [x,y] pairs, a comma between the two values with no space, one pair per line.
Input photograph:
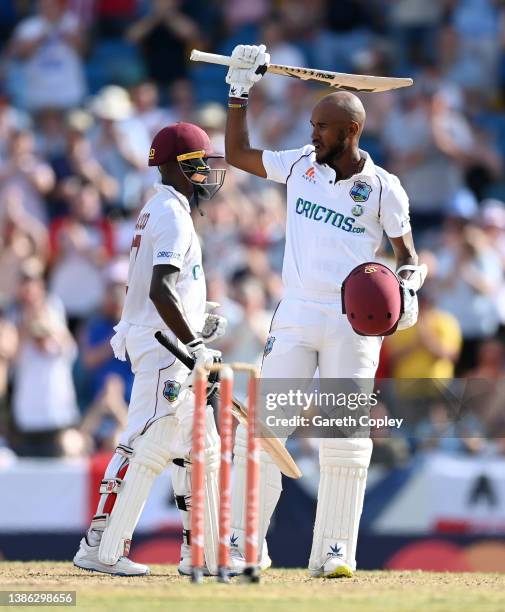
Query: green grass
[279,590]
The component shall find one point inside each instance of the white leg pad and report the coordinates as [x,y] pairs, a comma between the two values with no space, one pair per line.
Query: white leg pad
[181,481]
[344,464]
[270,488]
[151,455]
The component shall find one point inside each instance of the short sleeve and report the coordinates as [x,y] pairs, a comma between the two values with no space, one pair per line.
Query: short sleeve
[394,208]
[171,239]
[278,164]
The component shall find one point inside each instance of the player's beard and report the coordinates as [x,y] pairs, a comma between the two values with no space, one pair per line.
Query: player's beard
[336,151]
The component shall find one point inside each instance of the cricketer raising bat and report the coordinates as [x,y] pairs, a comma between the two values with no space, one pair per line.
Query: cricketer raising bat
[338,80]
[270,444]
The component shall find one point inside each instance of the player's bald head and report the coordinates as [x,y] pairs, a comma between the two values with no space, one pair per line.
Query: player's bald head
[337,122]
[342,106]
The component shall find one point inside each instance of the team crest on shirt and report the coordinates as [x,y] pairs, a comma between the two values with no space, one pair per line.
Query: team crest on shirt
[171,390]
[269,345]
[360,191]
[357,210]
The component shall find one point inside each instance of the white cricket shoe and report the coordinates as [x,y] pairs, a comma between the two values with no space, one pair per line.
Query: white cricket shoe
[237,560]
[185,562]
[87,558]
[333,567]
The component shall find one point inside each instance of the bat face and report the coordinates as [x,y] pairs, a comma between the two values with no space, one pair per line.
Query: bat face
[346,82]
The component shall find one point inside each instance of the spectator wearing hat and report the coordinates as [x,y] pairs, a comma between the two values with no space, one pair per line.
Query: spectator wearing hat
[119,143]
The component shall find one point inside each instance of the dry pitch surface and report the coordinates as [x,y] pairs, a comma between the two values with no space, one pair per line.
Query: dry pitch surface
[280,590]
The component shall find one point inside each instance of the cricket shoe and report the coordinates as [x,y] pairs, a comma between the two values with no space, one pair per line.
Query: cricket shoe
[87,558]
[184,568]
[237,561]
[333,567]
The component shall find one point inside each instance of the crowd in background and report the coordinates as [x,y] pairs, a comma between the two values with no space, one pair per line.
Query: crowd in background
[84,86]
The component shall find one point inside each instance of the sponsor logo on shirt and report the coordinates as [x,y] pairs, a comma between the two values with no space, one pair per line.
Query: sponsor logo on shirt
[360,191]
[317,212]
[169,254]
[357,210]
[309,174]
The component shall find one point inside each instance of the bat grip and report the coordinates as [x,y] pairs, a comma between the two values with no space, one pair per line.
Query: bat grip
[214,58]
[177,352]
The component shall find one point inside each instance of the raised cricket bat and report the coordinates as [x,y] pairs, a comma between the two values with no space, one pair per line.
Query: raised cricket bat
[269,443]
[338,80]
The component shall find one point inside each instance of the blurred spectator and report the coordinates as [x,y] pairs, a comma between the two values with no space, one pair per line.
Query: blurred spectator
[44,402]
[49,45]
[8,350]
[163,36]
[120,143]
[50,133]
[430,348]
[146,109]
[78,161]
[21,237]
[450,433]
[283,52]
[468,275]
[81,245]
[98,359]
[27,174]
[490,360]
[287,125]
[106,418]
[12,120]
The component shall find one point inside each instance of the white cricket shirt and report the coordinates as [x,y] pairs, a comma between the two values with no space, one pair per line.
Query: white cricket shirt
[165,234]
[333,226]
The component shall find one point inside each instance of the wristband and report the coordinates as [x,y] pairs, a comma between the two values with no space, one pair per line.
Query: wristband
[237,103]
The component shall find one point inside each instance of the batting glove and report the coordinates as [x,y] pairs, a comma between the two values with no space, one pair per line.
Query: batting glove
[203,356]
[253,62]
[215,325]
[410,287]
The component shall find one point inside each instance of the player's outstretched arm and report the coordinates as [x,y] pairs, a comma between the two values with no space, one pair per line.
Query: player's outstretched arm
[238,151]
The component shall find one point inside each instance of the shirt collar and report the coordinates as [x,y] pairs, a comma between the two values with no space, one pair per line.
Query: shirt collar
[183,200]
[367,171]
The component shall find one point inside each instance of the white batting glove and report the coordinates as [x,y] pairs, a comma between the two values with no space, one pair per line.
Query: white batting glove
[254,61]
[203,356]
[410,287]
[215,325]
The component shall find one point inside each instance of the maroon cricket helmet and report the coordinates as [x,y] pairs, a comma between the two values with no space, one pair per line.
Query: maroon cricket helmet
[177,140]
[372,299]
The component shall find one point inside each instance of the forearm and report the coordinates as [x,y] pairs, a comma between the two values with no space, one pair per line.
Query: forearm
[170,308]
[238,150]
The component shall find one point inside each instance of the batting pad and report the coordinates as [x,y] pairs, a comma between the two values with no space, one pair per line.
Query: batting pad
[270,488]
[181,482]
[344,464]
[151,454]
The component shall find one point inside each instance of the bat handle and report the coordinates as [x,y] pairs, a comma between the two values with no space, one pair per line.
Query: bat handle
[214,58]
[177,352]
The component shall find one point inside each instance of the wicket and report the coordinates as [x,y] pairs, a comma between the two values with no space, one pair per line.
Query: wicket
[226,372]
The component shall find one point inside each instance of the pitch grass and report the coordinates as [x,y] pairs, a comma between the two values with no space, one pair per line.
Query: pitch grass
[280,590]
